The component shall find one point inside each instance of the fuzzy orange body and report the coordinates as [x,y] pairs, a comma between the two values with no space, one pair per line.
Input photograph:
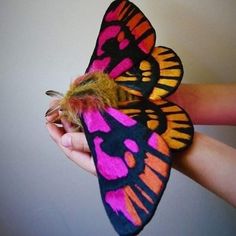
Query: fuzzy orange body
[92,91]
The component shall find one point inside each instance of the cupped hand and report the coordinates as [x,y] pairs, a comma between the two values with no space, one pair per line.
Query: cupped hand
[209,162]
[73,144]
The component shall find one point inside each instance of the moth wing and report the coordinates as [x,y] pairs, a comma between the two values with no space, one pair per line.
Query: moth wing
[157,76]
[163,117]
[133,167]
[125,38]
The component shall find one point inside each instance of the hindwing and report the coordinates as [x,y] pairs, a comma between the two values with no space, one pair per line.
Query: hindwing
[133,166]
[165,118]
[155,77]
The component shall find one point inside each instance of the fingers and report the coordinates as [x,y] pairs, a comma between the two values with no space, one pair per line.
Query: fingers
[55,132]
[76,141]
[82,159]
[74,145]
[69,128]
[54,115]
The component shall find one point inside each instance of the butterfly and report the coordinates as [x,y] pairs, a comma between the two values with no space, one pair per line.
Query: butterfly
[131,129]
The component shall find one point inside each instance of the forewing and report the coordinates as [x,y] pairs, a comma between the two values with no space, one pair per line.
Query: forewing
[133,167]
[155,77]
[165,118]
[125,38]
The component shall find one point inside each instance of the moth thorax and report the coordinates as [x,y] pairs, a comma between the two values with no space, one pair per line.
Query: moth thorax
[91,91]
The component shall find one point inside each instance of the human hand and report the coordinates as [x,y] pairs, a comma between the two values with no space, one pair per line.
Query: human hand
[200,162]
[221,98]
[204,156]
[73,144]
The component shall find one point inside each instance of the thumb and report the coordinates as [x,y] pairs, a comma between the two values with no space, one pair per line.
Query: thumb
[76,141]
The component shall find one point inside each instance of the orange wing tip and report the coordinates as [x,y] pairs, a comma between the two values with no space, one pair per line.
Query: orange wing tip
[135,199]
[151,180]
[147,43]
[170,72]
[157,164]
[138,24]
[144,194]
[173,138]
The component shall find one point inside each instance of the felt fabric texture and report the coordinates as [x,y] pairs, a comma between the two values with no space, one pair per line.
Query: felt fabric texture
[156,77]
[130,189]
[164,117]
[130,146]
[125,38]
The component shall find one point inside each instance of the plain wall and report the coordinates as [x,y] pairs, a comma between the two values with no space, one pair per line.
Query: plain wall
[43,45]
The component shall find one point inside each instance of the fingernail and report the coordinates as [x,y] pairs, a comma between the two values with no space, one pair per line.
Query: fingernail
[66,140]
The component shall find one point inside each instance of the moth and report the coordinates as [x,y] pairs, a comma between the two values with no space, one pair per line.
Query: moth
[132,131]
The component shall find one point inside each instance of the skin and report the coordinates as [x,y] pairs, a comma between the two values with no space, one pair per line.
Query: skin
[208,104]
[207,161]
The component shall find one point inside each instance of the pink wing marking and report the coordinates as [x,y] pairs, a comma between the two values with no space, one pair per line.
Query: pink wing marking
[121,67]
[109,167]
[153,141]
[123,44]
[121,117]
[116,200]
[114,15]
[105,35]
[122,200]
[100,65]
[95,122]
[156,142]
[131,145]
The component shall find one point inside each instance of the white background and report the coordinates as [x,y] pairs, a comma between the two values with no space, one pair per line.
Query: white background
[43,45]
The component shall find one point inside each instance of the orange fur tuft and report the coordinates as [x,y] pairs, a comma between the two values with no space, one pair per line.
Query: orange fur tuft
[89,92]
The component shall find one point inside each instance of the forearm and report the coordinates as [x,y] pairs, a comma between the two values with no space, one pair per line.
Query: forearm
[208,104]
[212,164]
